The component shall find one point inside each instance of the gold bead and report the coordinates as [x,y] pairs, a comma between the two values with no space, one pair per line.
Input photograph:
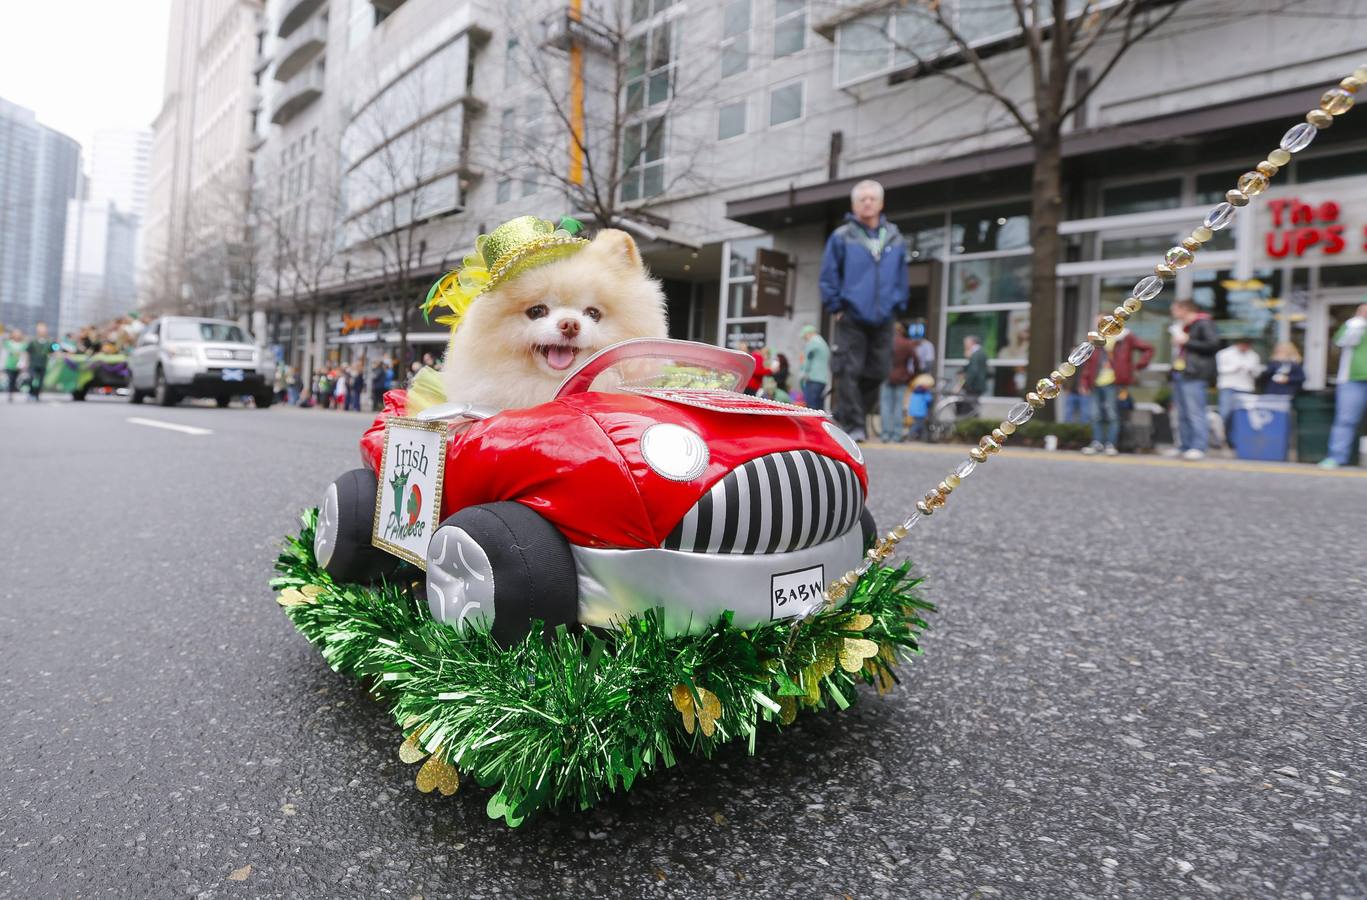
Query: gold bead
[999,436]
[1267,168]
[1067,369]
[945,488]
[1096,339]
[1279,157]
[1165,271]
[1252,183]
[989,444]
[1046,388]
[1133,304]
[1351,85]
[1236,198]
[953,480]
[1109,326]
[923,509]
[1007,427]
[978,456]
[898,533]
[1201,234]
[1034,400]
[1336,101]
[1121,313]
[1319,118]
[1191,244]
[935,499]
[1058,378]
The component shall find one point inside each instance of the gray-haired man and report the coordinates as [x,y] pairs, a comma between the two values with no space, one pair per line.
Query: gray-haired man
[863,286]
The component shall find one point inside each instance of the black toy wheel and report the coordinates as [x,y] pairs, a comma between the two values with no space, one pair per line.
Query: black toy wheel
[341,543]
[867,528]
[500,566]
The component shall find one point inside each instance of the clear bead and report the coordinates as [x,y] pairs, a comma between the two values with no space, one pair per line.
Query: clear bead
[1298,138]
[1336,101]
[965,468]
[1081,353]
[1220,216]
[911,521]
[1148,287]
[1252,183]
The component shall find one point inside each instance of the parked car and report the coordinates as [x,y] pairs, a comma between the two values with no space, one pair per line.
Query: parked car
[648,482]
[179,356]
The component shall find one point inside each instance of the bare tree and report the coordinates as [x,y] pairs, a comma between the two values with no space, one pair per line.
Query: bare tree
[220,270]
[407,169]
[1058,37]
[589,85]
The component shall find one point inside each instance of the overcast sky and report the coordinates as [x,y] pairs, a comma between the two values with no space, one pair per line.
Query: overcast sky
[83,65]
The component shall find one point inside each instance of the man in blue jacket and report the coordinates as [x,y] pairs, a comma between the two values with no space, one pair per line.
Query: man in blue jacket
[863,286]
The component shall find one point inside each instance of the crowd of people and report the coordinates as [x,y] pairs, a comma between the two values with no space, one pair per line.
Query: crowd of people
[345,386]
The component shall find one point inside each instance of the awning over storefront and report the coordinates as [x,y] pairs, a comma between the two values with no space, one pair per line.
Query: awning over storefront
[391,337]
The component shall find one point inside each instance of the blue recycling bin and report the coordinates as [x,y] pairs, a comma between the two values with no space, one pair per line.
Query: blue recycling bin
[1260,426]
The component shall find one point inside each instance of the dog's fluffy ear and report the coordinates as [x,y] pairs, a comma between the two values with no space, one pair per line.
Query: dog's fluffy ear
[617,248]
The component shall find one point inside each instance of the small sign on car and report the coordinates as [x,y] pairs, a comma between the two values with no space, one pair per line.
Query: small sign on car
[408,497]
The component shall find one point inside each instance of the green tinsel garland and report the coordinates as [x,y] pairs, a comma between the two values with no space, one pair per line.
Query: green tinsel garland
[562,722]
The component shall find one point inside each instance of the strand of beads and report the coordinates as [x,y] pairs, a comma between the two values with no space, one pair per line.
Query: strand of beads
[1335,102]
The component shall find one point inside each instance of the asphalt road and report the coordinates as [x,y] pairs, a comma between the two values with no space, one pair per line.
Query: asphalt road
[1146,679]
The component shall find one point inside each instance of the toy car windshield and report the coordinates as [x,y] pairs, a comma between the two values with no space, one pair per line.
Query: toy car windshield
[657,363]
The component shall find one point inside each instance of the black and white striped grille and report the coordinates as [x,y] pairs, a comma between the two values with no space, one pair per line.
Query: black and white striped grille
[774,504]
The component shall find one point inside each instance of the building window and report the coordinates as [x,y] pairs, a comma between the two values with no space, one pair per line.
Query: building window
[505,190]
[731,120]
[882,42]
[790,27]
[650,64]
[785,103]
[531,135]
[644,9]
[1144,196]
[735,37]
[512,64]
[643,159]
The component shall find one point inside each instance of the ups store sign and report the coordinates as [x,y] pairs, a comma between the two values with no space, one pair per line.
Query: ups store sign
[1316,223]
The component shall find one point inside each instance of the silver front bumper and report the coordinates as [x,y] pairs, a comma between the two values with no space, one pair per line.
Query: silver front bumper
[694,589]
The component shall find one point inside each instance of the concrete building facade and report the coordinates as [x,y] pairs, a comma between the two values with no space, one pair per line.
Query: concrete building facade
[39,170]
[744,124]
[197,184]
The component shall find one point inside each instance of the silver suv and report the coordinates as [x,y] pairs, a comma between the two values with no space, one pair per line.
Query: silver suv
[178,357]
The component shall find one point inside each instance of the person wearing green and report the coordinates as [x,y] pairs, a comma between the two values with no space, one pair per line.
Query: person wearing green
[38,350]
[13,352]
[975,373]
[1350,393]
[815,373]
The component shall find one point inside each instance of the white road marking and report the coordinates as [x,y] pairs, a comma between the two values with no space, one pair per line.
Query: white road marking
[169,426]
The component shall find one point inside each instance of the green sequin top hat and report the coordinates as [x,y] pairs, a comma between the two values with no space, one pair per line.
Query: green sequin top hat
[509,250]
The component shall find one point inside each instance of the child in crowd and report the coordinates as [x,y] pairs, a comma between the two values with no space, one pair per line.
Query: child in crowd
[918,405]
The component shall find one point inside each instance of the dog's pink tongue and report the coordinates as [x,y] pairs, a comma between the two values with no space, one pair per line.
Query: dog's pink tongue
[560,357]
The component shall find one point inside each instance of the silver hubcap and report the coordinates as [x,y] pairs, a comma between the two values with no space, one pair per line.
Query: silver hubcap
[460,580]
[325,537]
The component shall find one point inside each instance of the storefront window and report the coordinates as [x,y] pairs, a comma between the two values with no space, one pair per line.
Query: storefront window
[1338,165]
[1147,196]
[1131,247]
[1344,277]
[1003,279]
[925,237]
[991,228]
[1241,307]
[1005,334]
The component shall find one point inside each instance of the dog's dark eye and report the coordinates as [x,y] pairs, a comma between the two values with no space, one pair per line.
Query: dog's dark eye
[593,313]
[537,312]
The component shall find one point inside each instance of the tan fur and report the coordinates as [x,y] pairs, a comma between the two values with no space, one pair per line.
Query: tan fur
[493,358]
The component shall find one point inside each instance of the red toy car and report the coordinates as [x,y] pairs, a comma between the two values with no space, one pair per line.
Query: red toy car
[647,482]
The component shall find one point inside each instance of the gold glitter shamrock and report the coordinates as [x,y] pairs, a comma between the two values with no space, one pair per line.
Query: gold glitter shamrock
[787,710]
[705,715]
[854,651]
[438,774]
[300,596]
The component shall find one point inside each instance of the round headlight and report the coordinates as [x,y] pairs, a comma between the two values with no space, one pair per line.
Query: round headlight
[674,452]
[846,442]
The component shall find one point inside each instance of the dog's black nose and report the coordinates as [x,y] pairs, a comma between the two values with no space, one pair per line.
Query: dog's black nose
[569,327]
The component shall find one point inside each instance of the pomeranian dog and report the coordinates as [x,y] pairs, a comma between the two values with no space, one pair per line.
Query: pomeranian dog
[517,343]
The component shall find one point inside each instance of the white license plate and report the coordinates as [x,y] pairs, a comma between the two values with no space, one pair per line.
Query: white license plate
[233,374]
[796,593]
